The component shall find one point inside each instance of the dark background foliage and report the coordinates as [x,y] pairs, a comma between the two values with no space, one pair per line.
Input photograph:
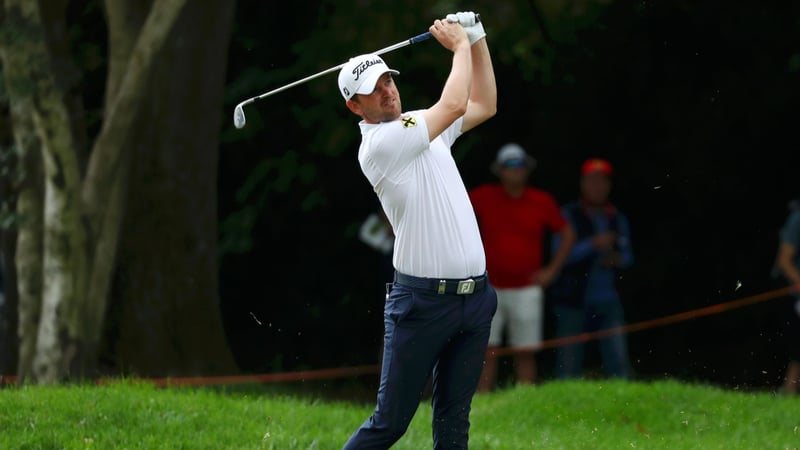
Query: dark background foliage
[694,102]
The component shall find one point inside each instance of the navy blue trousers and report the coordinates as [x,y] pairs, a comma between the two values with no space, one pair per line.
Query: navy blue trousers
[428,334]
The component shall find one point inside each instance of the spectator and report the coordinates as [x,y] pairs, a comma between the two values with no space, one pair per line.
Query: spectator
[514,218]
[788,265]
[586,296]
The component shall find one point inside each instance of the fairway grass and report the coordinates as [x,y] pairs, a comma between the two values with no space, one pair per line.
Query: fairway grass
[554,415]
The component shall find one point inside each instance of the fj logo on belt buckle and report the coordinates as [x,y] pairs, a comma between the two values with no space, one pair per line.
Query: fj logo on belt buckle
[466,286]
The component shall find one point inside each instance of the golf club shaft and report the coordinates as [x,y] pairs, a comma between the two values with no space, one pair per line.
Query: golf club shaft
[413,40]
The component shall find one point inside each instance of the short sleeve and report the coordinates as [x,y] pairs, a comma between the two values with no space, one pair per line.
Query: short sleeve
[452,132]
[790,233]
[554,216]
[389,148]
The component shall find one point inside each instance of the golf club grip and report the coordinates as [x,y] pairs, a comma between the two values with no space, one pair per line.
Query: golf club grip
[428,35]
[420,37]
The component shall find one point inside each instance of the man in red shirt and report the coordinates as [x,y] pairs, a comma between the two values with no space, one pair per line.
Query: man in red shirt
[513,219]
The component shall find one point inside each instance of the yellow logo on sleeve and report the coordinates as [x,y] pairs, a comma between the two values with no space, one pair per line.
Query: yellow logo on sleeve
[409,122]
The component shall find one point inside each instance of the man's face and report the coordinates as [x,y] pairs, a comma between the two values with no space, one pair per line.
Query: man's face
[382,105]
[513,173]
[595,188]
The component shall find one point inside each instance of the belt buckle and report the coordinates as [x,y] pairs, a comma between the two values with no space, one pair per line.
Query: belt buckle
[466,286]
[442,287]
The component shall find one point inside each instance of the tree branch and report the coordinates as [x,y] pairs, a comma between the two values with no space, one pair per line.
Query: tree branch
[117,128]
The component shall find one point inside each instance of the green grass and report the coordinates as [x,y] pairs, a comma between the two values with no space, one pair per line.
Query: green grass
[554,415]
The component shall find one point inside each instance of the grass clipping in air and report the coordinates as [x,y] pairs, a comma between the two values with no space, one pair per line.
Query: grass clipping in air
[554,415]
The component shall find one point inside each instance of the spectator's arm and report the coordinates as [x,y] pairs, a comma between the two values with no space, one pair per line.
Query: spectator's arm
[566,237]
[579,251]
[624,243]
[786,254]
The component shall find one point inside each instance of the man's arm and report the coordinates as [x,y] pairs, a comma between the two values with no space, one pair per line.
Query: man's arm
[456,93]
[483,94]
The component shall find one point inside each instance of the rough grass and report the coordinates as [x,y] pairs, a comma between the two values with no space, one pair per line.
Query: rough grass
[554,415]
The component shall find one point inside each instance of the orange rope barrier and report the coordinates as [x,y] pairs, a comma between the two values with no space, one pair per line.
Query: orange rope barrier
[652,323]
[344,372]
[304,375]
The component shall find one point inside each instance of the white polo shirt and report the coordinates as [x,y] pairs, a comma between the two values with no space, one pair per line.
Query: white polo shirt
[424,197]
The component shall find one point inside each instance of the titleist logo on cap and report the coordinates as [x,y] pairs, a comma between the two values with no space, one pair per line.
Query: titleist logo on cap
[363,66]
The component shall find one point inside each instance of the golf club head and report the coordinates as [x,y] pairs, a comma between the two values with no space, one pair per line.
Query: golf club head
[238,116]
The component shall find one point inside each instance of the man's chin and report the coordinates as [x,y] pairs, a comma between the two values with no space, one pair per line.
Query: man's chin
[391,117]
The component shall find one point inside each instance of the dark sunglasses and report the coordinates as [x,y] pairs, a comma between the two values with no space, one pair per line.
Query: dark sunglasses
[514,163]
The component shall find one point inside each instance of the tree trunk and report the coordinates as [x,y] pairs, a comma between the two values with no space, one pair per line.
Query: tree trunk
[27,81]
[120,138]
[10,178]
[41,80]
[160,132]
[62,330]
[167,283]
[64,240]
[76,243]
[28,250]
[28,257]
[9,342]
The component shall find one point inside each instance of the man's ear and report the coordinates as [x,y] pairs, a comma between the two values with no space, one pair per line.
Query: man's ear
[354,107]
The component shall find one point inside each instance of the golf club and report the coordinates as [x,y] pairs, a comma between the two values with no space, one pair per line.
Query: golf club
[238,113]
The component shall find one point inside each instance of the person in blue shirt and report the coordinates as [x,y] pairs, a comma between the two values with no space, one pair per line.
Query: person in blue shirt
[787,262]
[585,296]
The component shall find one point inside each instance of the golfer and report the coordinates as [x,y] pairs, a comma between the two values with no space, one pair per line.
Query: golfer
[438,314]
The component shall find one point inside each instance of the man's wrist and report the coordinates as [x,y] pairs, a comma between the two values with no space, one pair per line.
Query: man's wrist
[463,45]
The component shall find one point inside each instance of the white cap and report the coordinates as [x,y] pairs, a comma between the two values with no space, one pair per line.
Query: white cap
[361,73]
[510,151]
[513,152]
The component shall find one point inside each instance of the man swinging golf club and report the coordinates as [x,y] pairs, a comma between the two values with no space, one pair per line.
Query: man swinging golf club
[439,310]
